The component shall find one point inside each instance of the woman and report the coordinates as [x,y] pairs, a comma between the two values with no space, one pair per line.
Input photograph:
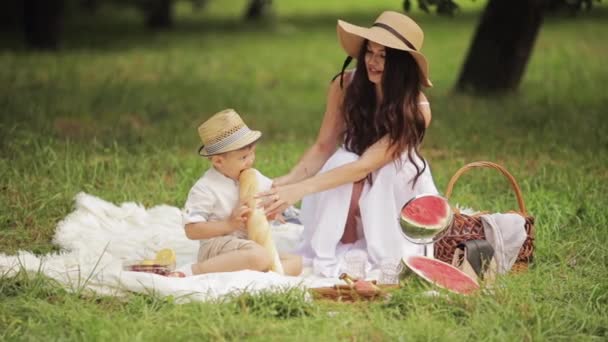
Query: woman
[378,114]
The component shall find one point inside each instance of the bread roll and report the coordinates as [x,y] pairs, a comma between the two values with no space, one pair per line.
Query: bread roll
[258,228]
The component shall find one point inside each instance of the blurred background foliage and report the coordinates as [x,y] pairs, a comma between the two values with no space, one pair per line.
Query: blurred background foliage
[496,61]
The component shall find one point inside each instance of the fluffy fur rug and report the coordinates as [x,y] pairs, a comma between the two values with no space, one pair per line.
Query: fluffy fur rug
[98,237]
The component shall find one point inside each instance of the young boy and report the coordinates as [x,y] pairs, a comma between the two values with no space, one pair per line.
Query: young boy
[213,213]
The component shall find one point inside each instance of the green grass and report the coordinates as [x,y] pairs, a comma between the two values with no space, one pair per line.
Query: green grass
[114,113]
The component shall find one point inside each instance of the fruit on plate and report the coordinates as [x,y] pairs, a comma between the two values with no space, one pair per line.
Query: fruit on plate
[366,288]
[424,216]
[441,274]
[154,268]
[166,257]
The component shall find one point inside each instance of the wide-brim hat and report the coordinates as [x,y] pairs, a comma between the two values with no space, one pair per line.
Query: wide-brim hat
[391,29]
[223,132]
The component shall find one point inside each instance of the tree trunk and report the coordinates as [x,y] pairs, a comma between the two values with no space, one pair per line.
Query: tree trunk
[90,6]
[256,9]
[502,46]
[11,16]
[159,14]
[42,23]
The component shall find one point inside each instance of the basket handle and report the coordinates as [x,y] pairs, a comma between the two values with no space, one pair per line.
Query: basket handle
[467,167]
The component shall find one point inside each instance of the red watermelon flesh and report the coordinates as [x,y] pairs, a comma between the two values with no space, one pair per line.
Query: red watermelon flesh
[428,210]
[442,274]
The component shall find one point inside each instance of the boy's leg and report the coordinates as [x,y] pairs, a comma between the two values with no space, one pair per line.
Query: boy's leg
[292,264]
[249,256]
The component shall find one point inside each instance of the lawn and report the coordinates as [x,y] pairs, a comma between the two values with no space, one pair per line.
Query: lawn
[114,113]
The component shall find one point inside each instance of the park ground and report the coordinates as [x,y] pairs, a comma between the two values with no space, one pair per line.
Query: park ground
[114,113]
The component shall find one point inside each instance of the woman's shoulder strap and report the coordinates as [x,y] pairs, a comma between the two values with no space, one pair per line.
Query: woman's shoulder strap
[347,76]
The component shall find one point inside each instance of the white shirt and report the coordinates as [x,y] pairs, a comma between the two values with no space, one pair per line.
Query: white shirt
[214,196]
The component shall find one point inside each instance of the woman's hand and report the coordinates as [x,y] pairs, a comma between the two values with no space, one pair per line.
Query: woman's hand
[279,198]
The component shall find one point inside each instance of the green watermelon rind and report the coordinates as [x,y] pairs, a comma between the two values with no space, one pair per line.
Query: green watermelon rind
[417,231]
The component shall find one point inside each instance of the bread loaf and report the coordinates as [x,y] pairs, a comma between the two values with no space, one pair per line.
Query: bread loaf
[258,227]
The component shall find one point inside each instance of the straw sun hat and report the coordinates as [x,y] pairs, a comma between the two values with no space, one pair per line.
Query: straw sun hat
[391,29]
[224,132]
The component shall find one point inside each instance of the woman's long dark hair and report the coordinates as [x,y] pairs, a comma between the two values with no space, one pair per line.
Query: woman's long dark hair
[397,116]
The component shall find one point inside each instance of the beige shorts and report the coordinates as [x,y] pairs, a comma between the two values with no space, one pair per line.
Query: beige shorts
[213,247]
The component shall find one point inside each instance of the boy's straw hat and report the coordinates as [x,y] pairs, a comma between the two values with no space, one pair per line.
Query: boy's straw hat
[224,132]
[391,29]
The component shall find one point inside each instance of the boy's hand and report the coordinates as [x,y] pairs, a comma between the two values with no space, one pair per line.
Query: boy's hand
[238,218]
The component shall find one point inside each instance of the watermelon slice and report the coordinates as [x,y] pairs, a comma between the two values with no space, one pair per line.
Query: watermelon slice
[441,274]
[424,216]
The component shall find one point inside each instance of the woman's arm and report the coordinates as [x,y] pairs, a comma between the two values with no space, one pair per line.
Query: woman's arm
[279,198]
[372,159]
[328,138]
[379,154]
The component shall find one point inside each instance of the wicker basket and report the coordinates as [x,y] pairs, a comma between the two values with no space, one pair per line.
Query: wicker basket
[469,227]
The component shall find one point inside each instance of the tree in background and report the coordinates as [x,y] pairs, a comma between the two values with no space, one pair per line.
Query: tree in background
[257,8]
[503,41]
[158,13]
[495,63]
[502,45]
[42,20]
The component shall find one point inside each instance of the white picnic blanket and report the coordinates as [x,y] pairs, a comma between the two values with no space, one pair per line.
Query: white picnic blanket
[98,237]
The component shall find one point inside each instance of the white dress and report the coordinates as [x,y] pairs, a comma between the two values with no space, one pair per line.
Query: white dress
[324,214]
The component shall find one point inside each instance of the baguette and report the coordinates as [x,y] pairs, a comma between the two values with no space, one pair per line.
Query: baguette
[258,228]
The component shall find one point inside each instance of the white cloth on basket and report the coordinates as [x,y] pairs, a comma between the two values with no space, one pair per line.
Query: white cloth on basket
[324,215]
[507,234]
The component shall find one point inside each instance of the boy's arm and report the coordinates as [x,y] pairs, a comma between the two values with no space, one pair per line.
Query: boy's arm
[201,201]
[207,230]
[210,229]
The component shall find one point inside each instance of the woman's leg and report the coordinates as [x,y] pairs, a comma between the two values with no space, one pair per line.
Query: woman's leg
[324,214]
[350,229]
[381,208]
